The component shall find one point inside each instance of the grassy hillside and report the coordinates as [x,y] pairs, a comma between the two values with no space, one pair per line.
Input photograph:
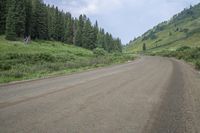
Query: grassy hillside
[178,37]
[182,30]
[43,58]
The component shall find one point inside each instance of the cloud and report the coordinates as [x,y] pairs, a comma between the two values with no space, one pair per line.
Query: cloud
[89,7]
[125,18]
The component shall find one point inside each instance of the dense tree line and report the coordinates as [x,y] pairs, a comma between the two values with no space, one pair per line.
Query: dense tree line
[22,18]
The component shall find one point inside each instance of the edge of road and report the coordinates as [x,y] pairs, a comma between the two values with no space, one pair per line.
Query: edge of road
[187,114]
[63,75]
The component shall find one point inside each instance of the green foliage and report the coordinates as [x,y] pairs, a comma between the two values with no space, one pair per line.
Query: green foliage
[69,33]
[144,47]
[3,13]
[184,48]
[185,53]
[15,21]
[28,18]
[88,37]
[79,31]
[20,18]
[39,28]
[59,25]
[10,21]
[42,58]
[32,18]
[197,64]
[99,52]
[183,28]
[149,35]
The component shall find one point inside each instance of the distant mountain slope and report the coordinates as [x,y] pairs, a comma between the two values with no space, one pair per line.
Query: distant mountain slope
[182,30]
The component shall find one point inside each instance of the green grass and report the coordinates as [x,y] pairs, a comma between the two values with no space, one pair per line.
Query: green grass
[182,30]
[47,58]
[178,37]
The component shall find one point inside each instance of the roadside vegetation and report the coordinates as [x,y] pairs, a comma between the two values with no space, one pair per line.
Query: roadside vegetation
[46,58]
[191,55]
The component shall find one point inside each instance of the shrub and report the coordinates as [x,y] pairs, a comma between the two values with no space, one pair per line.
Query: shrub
[183,48]
[5,66]
[18,74]
[29,58]
[197,64]
[99,52]
[44,57]
[186,53]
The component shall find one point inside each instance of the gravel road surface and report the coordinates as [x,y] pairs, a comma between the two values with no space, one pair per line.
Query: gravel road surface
[149,95]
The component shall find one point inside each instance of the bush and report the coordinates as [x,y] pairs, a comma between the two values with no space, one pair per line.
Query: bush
[18,74]
[11,74]
[197,64]
[183,48]
[5,66]
[29,58]
[99,52]
[186,53]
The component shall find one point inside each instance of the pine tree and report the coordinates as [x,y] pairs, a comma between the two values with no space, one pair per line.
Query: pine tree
[79,32]
[100,39]
[75,28]
[33,17]
[117,45]
[59,25]
[144,47]
[28,9]
[10,21]
[39,21]
[3,12]
[51,21]
[62,26]
[20,18]
[69,31]
[88,37]
[107,42]
[96,31]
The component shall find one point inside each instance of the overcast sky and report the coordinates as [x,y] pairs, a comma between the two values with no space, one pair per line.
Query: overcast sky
[125,19]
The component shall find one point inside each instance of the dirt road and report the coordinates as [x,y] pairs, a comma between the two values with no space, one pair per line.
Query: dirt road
[149,95]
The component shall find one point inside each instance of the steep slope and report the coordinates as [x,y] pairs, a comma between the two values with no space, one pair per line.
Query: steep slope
[182,30]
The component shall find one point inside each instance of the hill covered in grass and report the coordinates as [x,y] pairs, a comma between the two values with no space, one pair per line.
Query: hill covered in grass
[19,61]
[178,37]
[182,30]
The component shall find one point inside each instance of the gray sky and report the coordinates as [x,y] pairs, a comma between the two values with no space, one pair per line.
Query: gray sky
[125,19]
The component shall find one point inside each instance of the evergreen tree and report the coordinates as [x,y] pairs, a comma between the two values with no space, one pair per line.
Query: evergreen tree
[28,18]
[39,21]
[33,17]
[100,40]
[54,20]
[3,13]
[79,32]
[117,45]
[51,21]
[56,23]
[10,21]
[75,28]
[107,42]
[59,26]
[69,33]
[20,18]
[144,47]
[88,37]
[96,31]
